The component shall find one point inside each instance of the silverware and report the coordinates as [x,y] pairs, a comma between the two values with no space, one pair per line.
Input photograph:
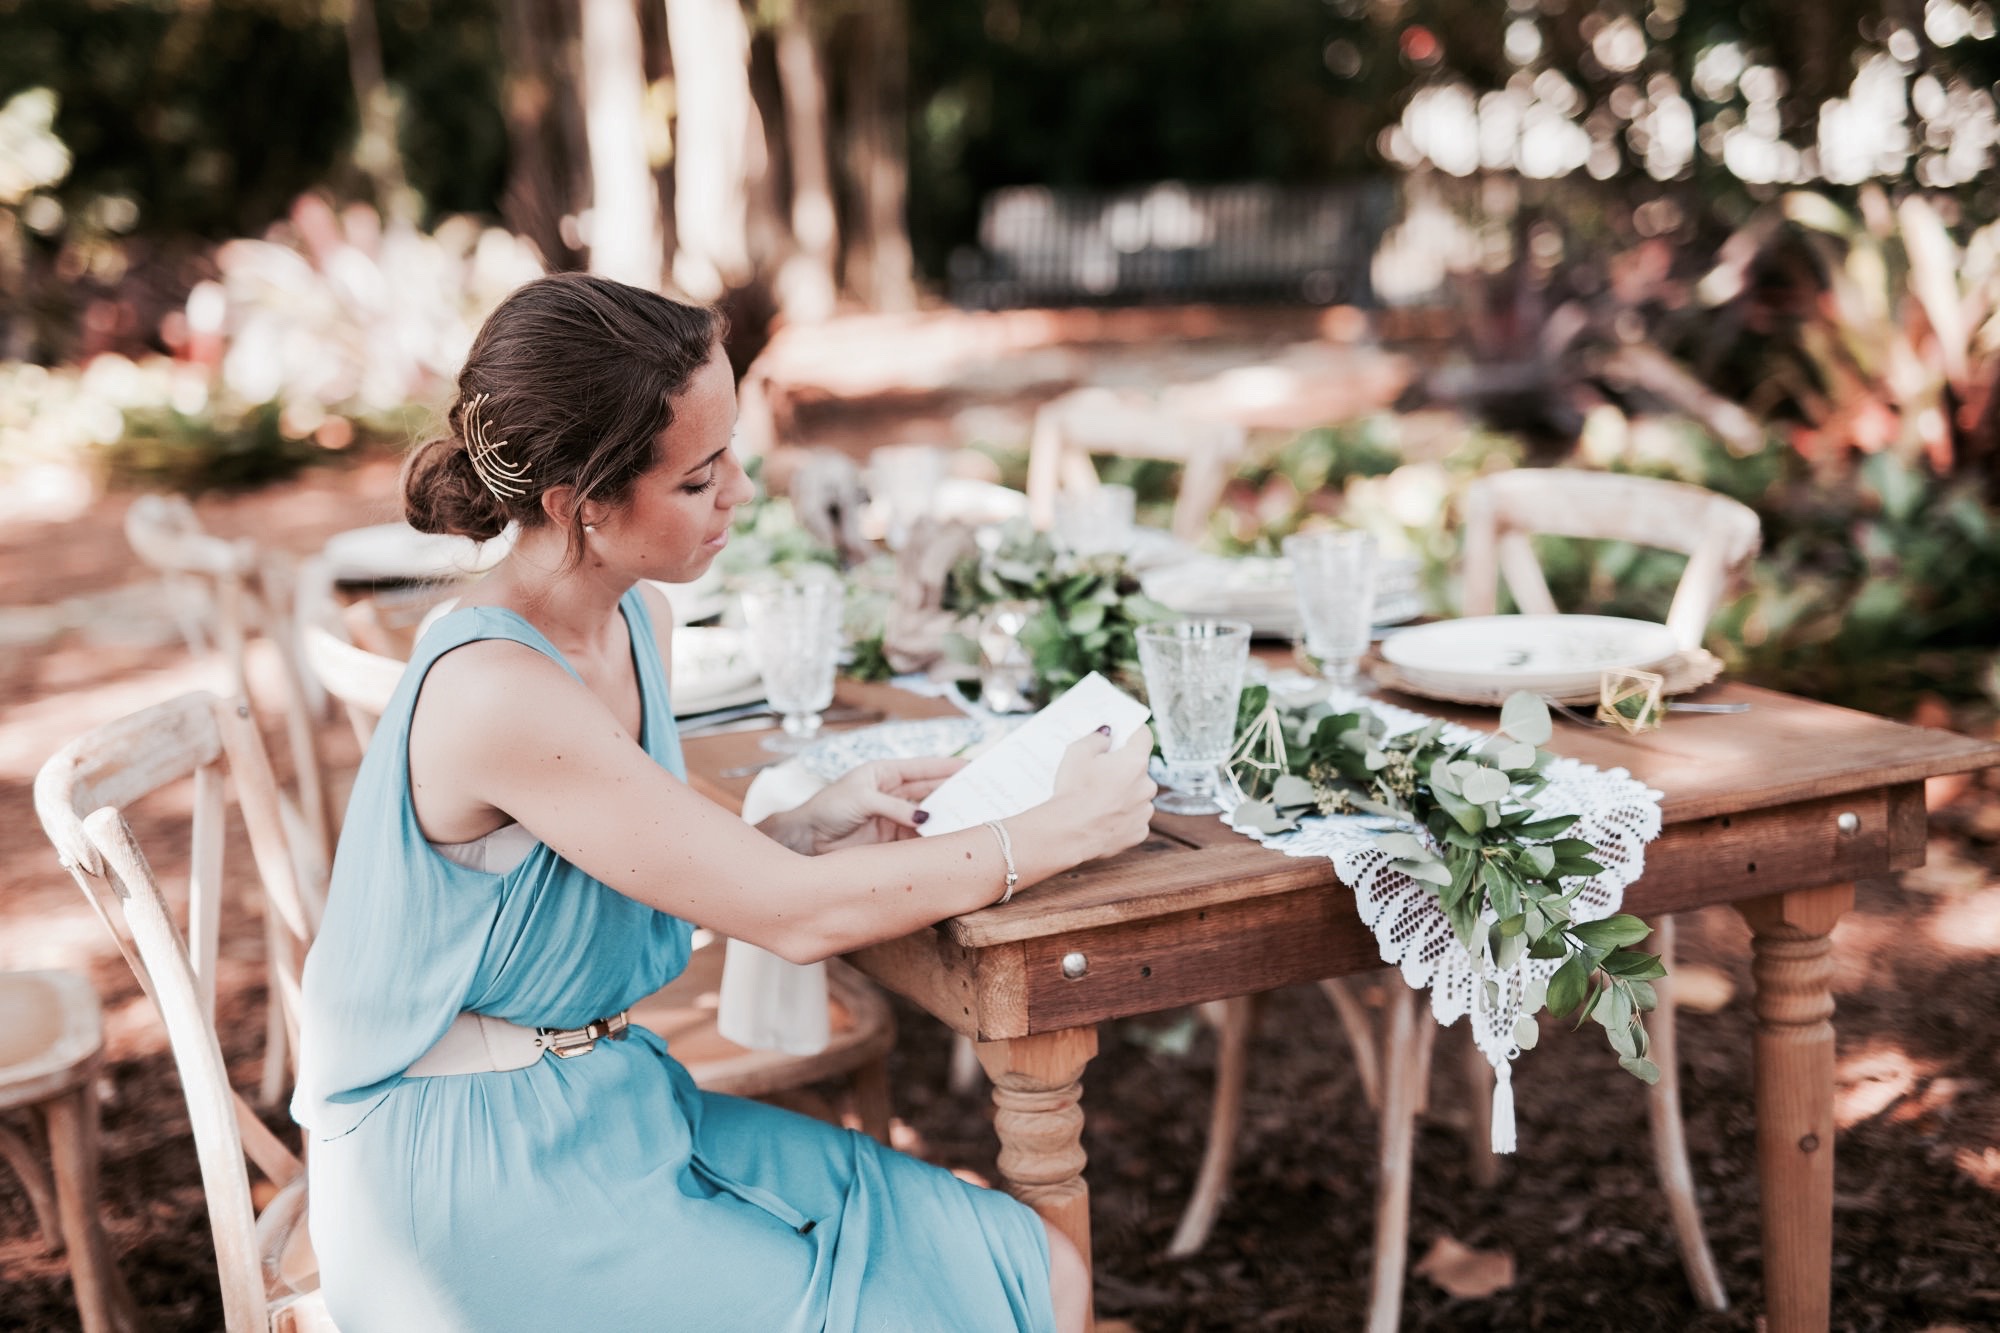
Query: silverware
[1586,720]
[760,717]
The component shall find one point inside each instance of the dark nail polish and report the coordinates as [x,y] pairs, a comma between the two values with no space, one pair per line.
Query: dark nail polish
[1104,730]
[920,816]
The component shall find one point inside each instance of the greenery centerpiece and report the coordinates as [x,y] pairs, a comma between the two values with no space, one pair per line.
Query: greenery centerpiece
[1082,611]
[1505,876]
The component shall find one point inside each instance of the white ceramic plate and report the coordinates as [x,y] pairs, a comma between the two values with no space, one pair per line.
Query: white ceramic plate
[395,551]
[712,669]
[1547,653]
[958,500]
[703,599]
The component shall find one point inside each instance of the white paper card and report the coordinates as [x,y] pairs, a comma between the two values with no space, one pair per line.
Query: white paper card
[1020,771]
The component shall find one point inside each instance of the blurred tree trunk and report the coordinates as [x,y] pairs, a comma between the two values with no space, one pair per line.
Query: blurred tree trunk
[879,264]
[548,159]
[714,118]
[625,239]
[807,285]
[379,154]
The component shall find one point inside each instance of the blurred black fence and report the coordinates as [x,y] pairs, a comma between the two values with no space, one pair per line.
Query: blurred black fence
[1173,242]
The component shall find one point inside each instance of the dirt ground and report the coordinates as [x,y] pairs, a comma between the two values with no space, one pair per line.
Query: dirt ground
[84,637]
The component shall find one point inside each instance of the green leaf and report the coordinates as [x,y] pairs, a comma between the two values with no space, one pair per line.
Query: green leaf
[1622,1039]
[1576,867]
[1614,1010]
[1534,994]
[1516,758]
[1526,718]
[1635,965]
[1430,872]
[1483,786]
[1568,987]
[1570,846]
[1549,946]
[1516,924]
[1402,845]
[1549,828]
[1086,617]
[1643,1070]
[1643,995]
[1444,782]
[1540,859]
[1470,817]
[1507,950]
[1526,1032]
[1613,932]
[1290,792]
[1261,816]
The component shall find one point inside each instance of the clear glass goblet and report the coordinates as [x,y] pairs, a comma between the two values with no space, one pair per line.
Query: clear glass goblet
[1333,574]
[1194,673]
[793,624]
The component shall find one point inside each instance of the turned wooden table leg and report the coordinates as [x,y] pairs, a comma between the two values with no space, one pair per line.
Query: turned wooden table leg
[1037,1085]
[1792,966]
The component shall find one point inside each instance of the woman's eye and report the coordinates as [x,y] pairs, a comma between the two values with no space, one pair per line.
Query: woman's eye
[702,487]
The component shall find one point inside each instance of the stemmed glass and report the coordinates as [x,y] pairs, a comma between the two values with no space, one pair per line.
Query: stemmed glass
[794,638]
[906,477]
[1194,673]
[1334,576]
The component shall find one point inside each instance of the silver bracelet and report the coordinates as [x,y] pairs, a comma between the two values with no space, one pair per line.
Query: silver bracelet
[1007,851]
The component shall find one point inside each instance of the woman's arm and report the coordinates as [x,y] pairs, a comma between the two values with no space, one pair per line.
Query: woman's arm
[502,726]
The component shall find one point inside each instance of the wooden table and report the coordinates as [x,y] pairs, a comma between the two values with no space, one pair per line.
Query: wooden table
[1777,812]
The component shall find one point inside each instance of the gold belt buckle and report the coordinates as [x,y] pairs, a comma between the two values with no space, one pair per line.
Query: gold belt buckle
[568,1043]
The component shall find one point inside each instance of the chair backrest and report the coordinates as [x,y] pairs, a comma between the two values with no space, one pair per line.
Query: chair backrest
[1072,427]
[1503,511]
[81,795]
[362,681]
[202,572]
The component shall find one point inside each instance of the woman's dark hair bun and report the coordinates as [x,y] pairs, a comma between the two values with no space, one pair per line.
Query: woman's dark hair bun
[443,493]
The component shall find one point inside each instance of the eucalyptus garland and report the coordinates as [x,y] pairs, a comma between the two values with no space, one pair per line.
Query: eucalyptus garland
[1505,876]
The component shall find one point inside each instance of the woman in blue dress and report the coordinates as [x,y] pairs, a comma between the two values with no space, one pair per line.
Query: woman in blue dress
[521,860]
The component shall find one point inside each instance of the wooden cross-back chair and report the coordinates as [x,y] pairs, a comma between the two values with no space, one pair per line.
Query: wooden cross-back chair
[1503,512]
[1071,428]
[264,1262]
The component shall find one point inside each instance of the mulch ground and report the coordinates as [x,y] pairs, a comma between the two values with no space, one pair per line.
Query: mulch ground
[1917,1211]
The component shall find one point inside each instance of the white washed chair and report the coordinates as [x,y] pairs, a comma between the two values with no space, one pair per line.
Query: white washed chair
[246,591]
[1502,512]
[51,1050]
[1071,428]
[264,1263]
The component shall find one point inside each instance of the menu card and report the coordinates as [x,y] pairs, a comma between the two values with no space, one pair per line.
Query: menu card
[1020,770]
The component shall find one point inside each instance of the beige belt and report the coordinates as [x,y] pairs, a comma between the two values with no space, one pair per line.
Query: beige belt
[483,1044]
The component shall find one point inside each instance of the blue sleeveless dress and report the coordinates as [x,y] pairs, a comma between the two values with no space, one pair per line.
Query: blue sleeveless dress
[604,1192]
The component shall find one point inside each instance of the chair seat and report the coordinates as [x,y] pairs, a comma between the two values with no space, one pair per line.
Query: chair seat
[683,1014]
[51,1034]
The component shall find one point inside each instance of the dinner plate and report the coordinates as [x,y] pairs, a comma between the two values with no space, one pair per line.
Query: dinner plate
[966,500]
[392,552]
[712,669]
[1259,589]
[1551,654]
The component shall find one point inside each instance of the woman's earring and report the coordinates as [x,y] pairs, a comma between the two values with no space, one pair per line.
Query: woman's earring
[590,527]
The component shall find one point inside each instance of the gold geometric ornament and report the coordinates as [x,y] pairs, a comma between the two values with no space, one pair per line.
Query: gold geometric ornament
[1630,698]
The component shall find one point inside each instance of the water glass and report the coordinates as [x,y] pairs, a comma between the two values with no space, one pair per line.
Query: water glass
[1006,668]
[1194,673]
[1333,574]
[1094,522]
[794,638]
[905,479]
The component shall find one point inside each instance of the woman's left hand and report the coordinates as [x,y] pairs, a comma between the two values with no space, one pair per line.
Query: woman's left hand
[876,802]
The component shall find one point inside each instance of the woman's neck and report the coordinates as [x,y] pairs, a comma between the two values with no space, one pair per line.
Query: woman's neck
[573,605]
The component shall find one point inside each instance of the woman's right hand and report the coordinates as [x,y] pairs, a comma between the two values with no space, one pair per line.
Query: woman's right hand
[1105,795]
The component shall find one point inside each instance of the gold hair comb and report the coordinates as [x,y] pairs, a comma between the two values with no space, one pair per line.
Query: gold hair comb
[506,480]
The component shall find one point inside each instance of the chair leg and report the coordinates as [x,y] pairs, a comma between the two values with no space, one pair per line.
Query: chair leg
[1670,1158]
[1225,1121]
[100,1298]
[1481,1162]
[277,1061]
[1360,1032]
[27,1163]
[1405,1054]
[870,1088]
[966,1075]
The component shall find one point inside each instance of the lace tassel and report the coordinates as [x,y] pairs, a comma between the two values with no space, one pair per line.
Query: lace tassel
[1503,1107]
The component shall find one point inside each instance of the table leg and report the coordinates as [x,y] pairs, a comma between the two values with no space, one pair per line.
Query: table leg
[1406,1057]
[1037,1086]
[1792,966]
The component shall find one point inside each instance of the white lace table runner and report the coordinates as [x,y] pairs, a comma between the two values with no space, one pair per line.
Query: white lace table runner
[1618,815]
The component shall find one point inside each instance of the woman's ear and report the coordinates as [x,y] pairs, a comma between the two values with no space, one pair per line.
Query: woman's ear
[559,503]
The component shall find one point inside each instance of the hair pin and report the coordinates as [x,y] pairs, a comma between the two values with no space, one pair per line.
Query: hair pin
[506,480]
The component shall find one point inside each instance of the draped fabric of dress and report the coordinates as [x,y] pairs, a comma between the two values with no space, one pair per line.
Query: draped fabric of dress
[603,1192]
